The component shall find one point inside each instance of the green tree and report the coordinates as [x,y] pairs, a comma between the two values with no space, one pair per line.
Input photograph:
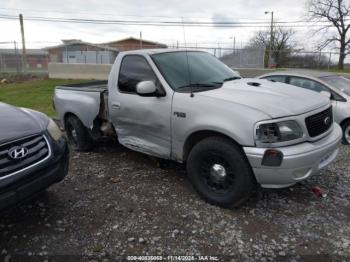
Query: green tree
[282,44]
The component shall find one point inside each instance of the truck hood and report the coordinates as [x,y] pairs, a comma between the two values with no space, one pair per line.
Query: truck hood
[18,122]
[272,98]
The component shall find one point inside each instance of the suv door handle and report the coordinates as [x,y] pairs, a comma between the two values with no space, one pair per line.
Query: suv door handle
[116,105]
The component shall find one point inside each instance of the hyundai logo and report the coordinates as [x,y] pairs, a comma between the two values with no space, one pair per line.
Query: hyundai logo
[327,121]
[18,152]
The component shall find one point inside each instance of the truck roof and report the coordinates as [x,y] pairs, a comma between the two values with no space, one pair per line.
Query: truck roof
[158,51]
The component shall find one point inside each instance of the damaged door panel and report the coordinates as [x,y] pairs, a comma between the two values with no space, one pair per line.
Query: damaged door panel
[142,123]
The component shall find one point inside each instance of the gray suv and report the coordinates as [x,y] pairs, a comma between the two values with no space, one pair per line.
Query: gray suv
[33,154]
[338,87]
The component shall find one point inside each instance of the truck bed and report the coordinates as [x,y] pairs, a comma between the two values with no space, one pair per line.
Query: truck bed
[94,86]
[87,101]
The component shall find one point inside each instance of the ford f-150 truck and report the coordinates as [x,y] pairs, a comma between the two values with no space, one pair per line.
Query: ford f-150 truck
[233,134]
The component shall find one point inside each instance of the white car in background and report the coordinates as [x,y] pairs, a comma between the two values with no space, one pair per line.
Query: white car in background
[337,86]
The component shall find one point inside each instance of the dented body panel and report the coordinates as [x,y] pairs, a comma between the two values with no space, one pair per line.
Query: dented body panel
[82,100]
[141,124]
[84,105]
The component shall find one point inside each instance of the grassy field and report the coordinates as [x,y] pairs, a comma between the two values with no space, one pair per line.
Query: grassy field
[35,94]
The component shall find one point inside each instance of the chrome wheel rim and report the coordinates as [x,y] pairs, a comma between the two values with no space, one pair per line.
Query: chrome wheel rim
[217,174]
[72,135]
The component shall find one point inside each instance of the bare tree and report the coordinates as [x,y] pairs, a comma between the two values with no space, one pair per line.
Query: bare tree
[282,43]
[337,12]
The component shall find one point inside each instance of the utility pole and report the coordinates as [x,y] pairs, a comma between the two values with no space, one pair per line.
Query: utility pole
[329,60]
[140,40]
[24,55]
[234,43]
[233,51]
[219,50]
[16,57]
[271,39]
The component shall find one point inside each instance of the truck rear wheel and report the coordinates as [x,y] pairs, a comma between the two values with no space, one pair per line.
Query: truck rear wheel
[220,173]
[78,136]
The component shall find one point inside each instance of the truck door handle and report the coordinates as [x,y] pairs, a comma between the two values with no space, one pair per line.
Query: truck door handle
[116,105]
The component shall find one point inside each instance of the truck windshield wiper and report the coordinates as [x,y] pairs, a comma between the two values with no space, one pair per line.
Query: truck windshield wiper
[199,85]
[228,79]
[231,78]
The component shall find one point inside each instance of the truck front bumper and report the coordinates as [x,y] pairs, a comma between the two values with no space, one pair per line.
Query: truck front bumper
[299,161]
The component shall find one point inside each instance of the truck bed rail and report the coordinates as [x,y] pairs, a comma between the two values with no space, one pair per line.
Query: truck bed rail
[94,86]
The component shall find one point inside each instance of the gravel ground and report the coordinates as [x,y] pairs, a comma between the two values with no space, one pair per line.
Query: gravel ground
[118,202]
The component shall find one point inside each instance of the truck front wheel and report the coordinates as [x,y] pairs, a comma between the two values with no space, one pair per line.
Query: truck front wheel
[220,173]
[78,136]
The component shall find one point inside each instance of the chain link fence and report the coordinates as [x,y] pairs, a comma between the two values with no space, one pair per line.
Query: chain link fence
[11,59]
[235,58]
[259,58]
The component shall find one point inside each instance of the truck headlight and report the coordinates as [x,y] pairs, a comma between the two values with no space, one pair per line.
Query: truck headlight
[54,130]
[278,132]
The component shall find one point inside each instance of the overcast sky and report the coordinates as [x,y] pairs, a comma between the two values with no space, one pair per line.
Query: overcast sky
[39,34]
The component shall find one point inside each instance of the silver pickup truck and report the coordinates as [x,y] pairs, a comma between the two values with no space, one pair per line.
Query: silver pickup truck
[233,134]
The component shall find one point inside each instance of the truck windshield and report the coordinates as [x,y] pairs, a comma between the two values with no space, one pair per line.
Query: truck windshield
[339,82]
[201,71]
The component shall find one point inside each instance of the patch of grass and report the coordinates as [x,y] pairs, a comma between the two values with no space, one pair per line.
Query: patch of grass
[35,94]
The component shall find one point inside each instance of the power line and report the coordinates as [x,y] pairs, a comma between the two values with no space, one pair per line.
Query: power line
[143,16]
[167,22]
[180,18]
[115,15]
[225,24]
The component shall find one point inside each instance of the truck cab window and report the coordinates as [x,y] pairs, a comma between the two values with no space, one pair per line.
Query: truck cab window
[134,69]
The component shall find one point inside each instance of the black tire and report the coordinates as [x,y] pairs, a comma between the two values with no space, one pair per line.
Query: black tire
[238,184]
[346,132]
[78,136]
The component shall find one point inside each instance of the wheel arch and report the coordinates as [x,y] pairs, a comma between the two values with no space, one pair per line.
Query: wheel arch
[198,136]
[344,121]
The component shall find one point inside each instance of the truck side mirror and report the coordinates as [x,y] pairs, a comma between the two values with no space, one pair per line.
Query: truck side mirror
[146,88]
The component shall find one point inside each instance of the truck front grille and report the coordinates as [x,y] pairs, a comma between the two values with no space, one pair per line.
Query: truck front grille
[319,123]
[22,154]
